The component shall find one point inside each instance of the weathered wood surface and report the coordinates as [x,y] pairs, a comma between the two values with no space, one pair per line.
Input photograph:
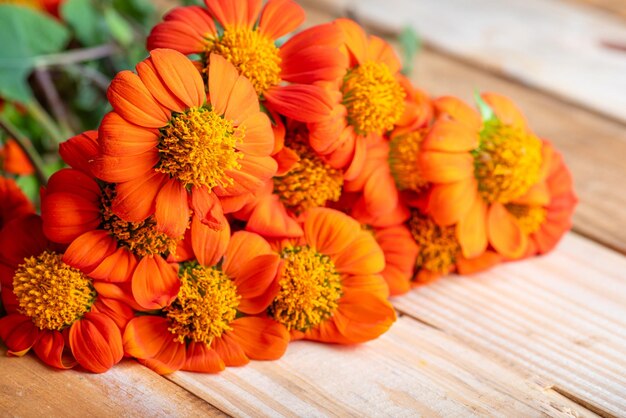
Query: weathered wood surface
[412,370]
[553,45]
[561,318]
[29,388]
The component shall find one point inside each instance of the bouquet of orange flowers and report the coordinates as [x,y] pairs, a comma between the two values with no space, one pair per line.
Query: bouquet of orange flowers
[251,185]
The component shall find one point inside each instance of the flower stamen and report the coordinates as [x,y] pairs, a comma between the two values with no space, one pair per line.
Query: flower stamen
[403,161]
[438,245]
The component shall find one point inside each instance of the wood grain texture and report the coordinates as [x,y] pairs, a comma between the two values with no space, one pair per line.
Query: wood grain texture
[554,45]
[593,146]
[28,388]
[412,370]
[561,317]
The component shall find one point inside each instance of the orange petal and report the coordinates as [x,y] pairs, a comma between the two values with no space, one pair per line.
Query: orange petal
[116,268]
[259,137]
[155,283]
[254,172]
[119,137]
[448,203]
[133,101]
[172,209]
[363,256]
[279,17]
[506,111]
[301,102]
[329,231]
[363,316]
[373,283]
[222,77]
[184,29]
[471,231]
[207,207]
[355,39]
[260,338]
[50,348]
[504,232]
[450,136]
[380,193]
[255,279]
[88,250]
[271,219]
[31,240]
[243,102]
[229,13]
[230,351]
[445,167]
[80,150]
[457,110]
[18,333]
[209,245]
[286,159]
[379,50]
[179,76]
[202,359]
[537,195]
[66,216]
[96,342]
[148,339]
[242,248]
[117,310]
[481,263]
[124,168]
[135,200]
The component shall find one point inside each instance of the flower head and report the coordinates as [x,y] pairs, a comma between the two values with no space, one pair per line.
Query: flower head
[172,148]
[283,76]
[330,287]
[13,160]
[214,322]
[51,304]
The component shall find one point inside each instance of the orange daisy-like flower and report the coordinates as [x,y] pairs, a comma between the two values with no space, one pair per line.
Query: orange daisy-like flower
[371,98]
[170,146]
[210,324]
[331,289]
[77,210]
[14,203]
[283,76]
[478,167]
[304,181]
[52,306]
[13,159]
[546,224]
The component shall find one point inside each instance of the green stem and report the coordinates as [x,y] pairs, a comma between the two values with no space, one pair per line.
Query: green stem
[27,147]
[37,112]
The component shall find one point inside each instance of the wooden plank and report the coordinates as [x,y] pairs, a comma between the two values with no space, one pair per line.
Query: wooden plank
[617,7]
[553,45]
[28,388]
[594,147]
[561,317]
[412,370]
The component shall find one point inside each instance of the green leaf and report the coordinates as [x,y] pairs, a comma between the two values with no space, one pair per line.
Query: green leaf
[30,186]
[120,29]
[486,112]
[86,21]
[25,34]
[410,44]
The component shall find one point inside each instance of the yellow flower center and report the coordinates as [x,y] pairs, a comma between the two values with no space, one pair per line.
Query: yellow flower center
[205,306]
[53,294]
[141,238]
[310,183]
[403,156]
[438,246]
[310,288]
[373,97]
[198,147]
[528,217]
[254,54]
[507,162]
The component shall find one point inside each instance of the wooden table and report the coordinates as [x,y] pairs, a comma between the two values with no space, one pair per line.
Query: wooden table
[540,337]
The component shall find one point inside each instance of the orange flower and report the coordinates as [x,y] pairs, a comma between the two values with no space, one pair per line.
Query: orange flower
[208,326]
[77,210]
[304,181]
[478,167]
[248,42]
[14,160]
[371,97]
[331,289]
[14,203]
[170,146]
[51,305]
[546,224]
